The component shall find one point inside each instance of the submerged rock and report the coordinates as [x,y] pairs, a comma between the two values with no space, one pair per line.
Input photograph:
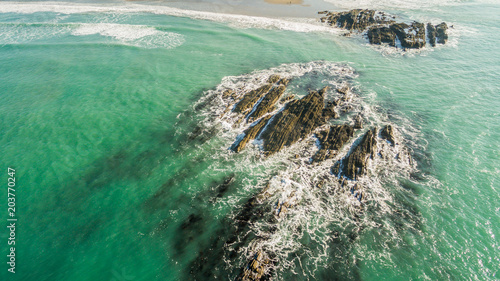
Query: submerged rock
[356,163]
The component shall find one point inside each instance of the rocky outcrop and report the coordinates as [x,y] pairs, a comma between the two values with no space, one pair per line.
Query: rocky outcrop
[251,98]
[442,33]
[356,163]
[329,111]
[381,34]
[295,121]
[302,182]
[411,36]
[268,102]
[381,28]
[250,134]
[387,133]
[332,140]
[357,19]
[431,34]
[358,122]
[437,33]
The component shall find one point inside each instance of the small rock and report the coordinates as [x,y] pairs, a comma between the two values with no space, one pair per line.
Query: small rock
[388,134]
[358,122]
[442,33]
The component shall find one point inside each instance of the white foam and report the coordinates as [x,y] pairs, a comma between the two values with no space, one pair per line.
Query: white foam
[23,33]
[242,21]
[135,35]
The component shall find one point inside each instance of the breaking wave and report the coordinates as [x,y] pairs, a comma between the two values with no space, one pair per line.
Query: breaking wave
[125,34]
[241,21]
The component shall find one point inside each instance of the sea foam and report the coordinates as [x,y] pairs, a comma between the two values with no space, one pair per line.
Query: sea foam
[241,21]
[135,35]
[125,34]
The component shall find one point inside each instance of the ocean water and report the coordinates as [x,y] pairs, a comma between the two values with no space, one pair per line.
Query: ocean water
[99,101]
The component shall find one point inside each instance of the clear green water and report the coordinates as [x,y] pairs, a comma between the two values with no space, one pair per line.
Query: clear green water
[88,120]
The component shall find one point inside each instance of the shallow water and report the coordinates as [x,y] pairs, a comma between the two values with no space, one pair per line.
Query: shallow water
[96,114]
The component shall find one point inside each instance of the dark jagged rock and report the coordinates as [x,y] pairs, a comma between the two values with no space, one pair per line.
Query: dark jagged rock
[250,134]
[442,33]
[268,102]
[411,36]
[388,134]
[356,19]
[384,29]
[431,34]
[331,140]
[356,163]
[329,111]
[381,34]
[295,121]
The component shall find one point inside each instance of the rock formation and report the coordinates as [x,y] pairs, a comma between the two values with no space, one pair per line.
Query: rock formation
[442,33]
[356,19]
[277,120]
[250,134]
[381,28]
[387,133]
[411,36]
[356,163]
[381,34]
[295,121]
[332,140]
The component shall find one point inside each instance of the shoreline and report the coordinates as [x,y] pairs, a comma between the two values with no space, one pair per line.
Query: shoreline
[259,8]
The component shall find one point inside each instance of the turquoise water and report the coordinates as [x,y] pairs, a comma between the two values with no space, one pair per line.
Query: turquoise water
[97,110]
